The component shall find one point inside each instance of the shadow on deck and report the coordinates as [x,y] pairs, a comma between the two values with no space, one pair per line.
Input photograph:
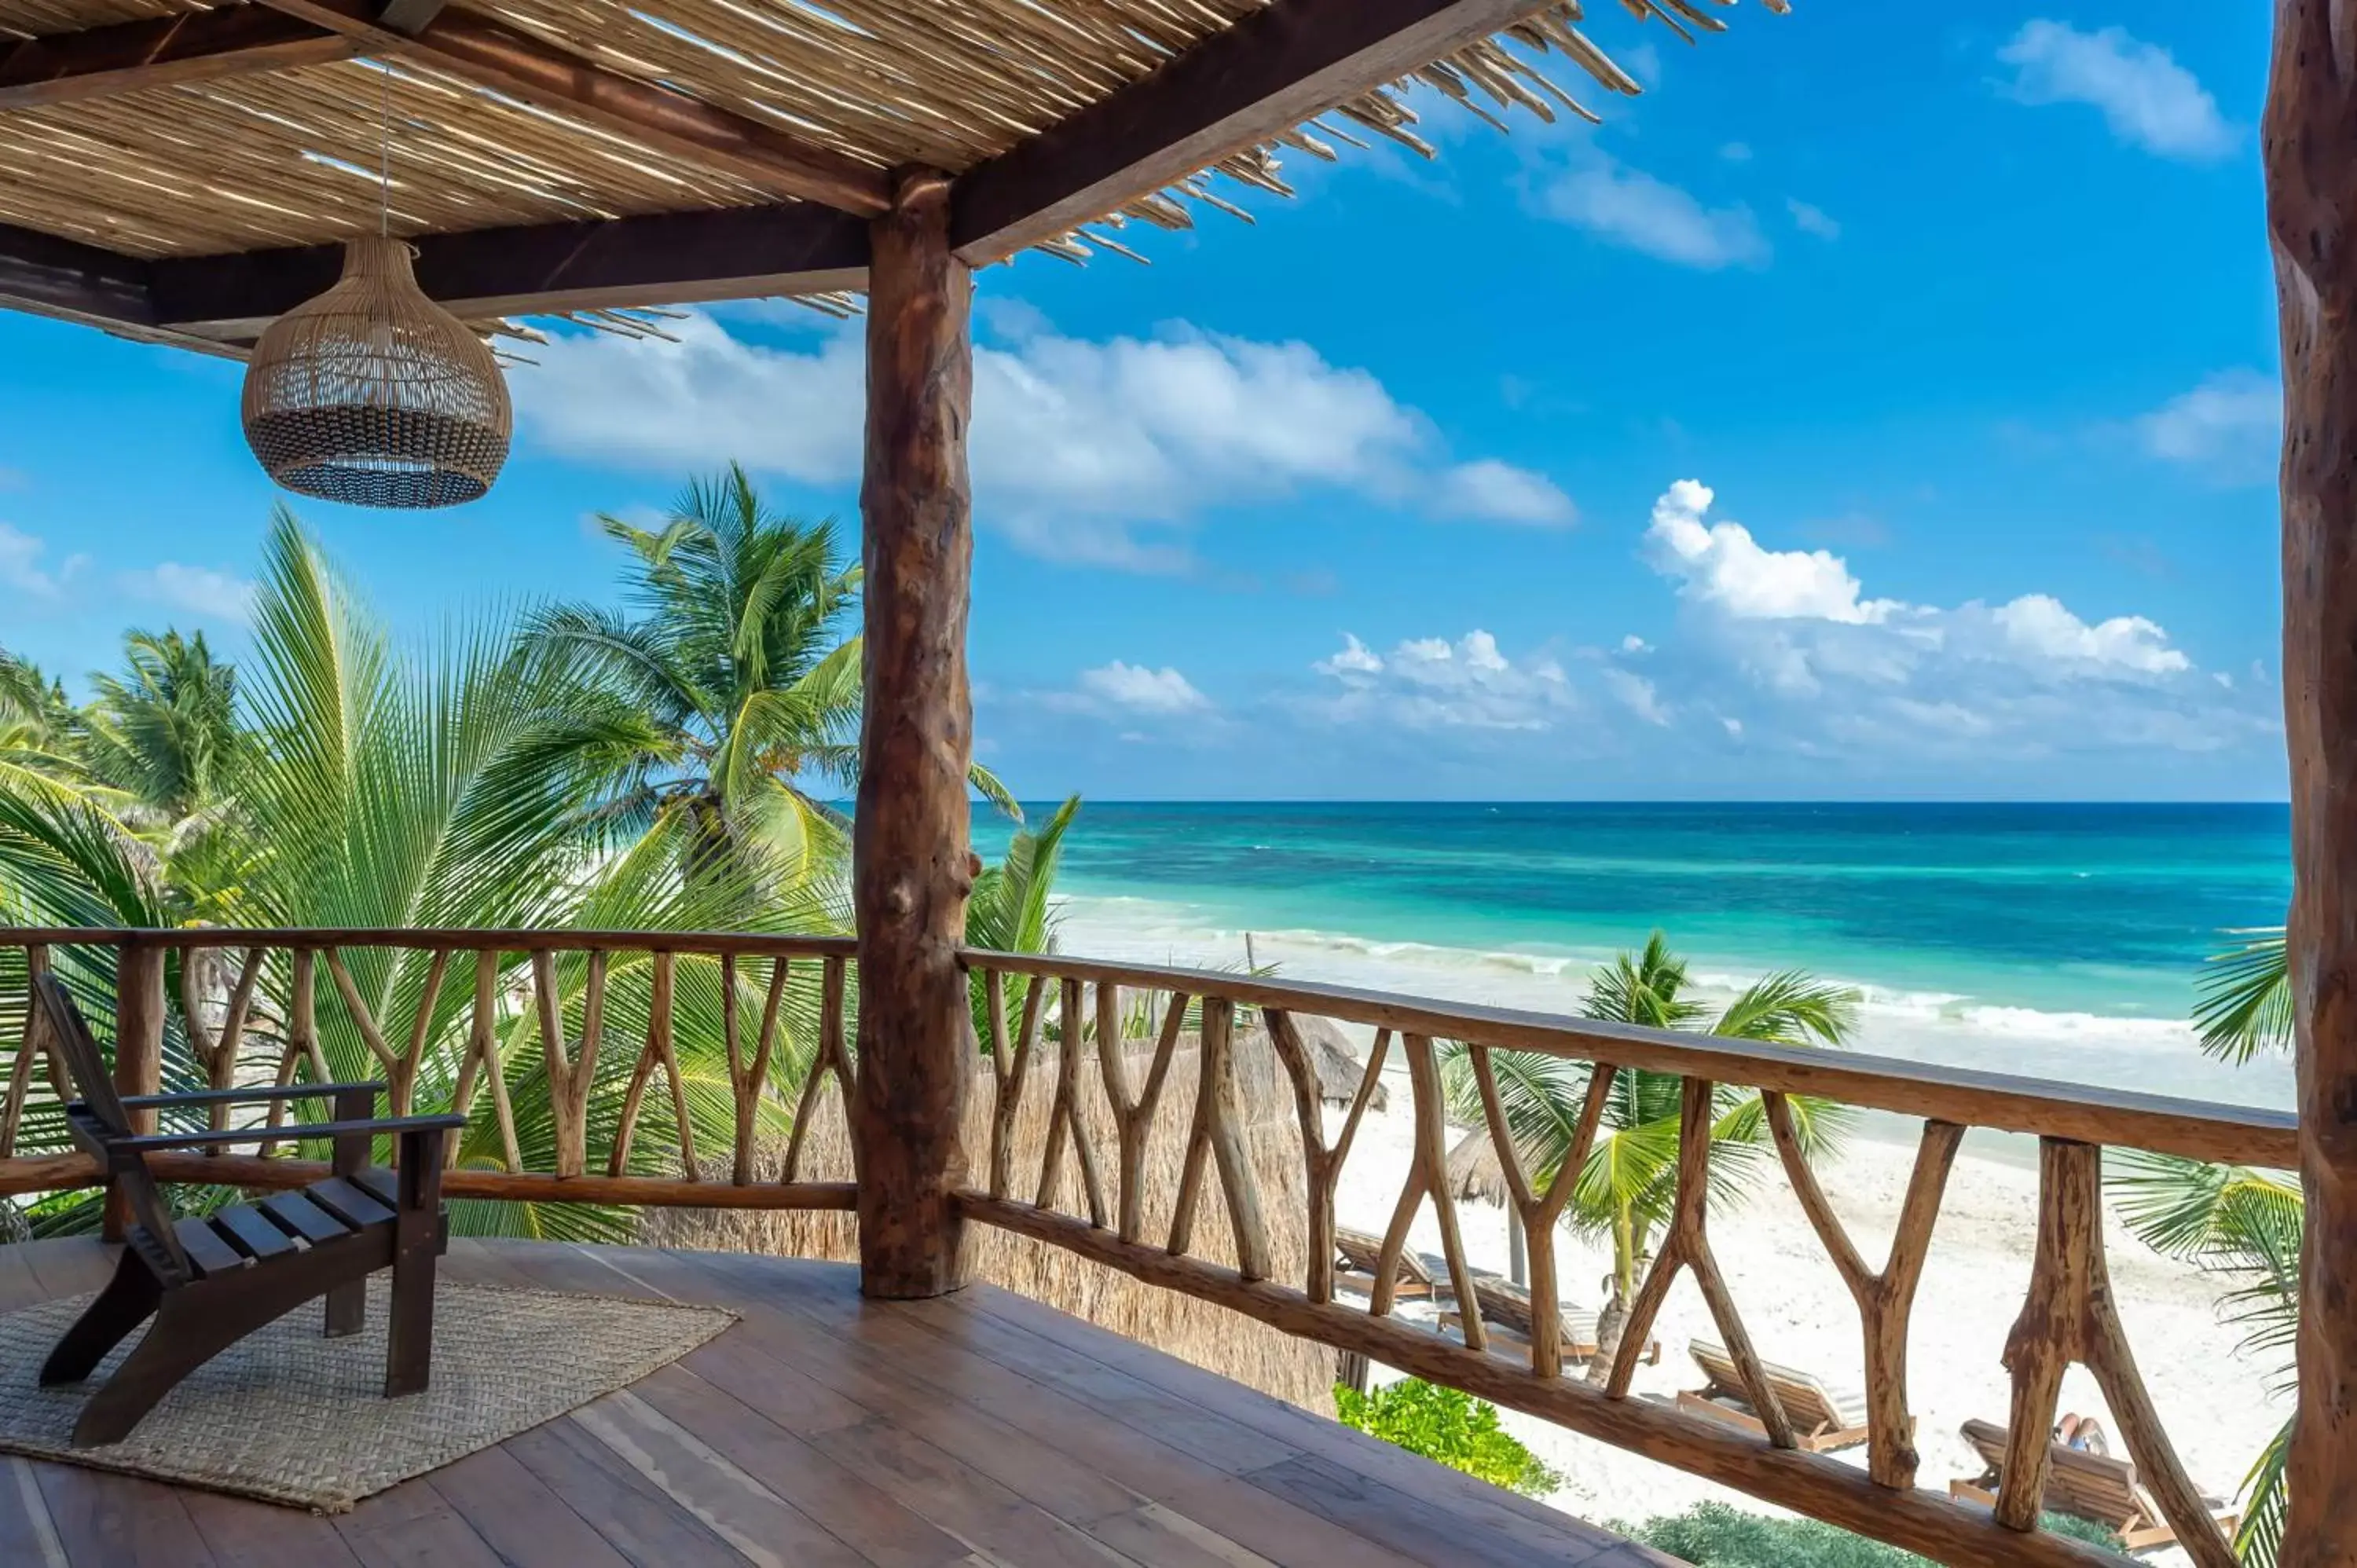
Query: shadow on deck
[823,1430]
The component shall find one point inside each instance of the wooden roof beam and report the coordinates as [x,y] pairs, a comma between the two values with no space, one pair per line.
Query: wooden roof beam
[1267,73]
[161,51]
[491,54]
[675,258]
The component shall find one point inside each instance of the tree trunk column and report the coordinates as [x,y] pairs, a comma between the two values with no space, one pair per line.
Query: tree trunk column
[139,1054]
[2311,170]
[911,862]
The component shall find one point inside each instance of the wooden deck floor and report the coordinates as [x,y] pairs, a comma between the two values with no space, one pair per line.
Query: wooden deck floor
[823,1430]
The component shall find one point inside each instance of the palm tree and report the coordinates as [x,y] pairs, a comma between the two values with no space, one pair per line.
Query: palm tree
[165,735]
[1625,1190]
[2245,1224]
[2243,1001]
[1011,911]
[37,750]
[2238,1222]
[733,689]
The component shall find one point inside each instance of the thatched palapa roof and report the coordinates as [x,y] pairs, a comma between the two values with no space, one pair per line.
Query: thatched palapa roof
[171,170]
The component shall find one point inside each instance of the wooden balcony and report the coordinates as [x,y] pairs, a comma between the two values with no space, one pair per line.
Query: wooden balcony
[825,1431]
[1105,1125]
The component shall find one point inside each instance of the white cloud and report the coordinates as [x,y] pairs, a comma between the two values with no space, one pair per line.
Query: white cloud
[2146,98]
[1843,673]
[1630,207]
[2039,625]
[2231,424]
[1811,219]
[20,555]
[1098,451]
[1632,643]
[200,590]
[1500,492]
[1143,689]
[1356,659]
[1432,684]
[1722,565]
[1638,695]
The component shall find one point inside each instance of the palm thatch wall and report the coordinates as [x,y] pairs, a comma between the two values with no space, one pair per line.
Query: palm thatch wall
[1211,1338]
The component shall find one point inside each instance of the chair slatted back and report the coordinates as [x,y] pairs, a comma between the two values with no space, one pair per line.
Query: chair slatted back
[2091,1486]
[1504,1303]
[86,1064]
[1812,1405]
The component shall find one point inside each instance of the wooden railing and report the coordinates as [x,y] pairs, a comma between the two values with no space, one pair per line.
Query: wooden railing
[566,1032]
[2068,1315]
[563,1033]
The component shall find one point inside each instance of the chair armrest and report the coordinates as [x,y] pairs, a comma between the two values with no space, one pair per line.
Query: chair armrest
[386,1126]
[258,1095]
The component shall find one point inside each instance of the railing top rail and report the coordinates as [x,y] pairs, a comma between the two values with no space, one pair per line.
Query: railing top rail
[2197,1129]
[454,938]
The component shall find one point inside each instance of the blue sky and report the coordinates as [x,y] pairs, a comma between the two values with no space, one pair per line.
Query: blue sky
[1877,406]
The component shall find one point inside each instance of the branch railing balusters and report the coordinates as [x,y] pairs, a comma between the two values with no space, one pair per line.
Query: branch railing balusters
[2068,1314]
[1884,1299]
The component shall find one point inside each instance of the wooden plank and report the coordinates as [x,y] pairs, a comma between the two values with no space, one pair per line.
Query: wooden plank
[409,1526]
[69,1265]
[108,1520]
[161,52]
[1425,1531]
[631,1513]
[248,1228]
[729,1502]
[27,1537]
[1263,75]
[353,1205]
[207,1248]
[895,1359]
[522,66]
[304,1217]
[1807,1483]
[775,1446]
[518,1515]
[241,1533]
[911,869]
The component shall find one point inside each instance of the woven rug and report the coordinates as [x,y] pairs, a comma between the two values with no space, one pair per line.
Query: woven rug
[290,1417]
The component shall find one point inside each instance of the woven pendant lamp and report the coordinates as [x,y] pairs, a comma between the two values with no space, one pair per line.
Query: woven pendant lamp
[374,395]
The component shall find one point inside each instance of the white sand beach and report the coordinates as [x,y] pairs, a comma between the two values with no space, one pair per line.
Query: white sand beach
[2216,1403]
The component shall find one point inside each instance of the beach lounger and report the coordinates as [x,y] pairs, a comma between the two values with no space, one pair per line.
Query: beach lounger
[1359,1254]
[1824,1417]
[1506,1308]
[2097,1487]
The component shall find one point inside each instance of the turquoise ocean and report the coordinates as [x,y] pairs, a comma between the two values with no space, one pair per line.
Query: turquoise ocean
[2057,939]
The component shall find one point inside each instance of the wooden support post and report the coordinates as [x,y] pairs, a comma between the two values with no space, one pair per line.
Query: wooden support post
[2311,173]
[912,866]
[138,1051]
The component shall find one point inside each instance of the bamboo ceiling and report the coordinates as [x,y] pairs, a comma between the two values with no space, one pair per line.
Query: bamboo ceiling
[273,139]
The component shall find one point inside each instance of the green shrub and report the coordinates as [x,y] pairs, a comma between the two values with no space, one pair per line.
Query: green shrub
[1449,1426]
[1713,1535]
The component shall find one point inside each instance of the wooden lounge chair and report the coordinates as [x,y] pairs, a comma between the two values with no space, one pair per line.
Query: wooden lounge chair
[211,1280]
[1506,1308]
[1362,1253]
[1824,1418]
[2098,1487]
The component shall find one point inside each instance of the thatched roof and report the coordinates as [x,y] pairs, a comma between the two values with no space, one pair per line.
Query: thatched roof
[1475,1172]
[1210,1336]
[1340,1068]
[161,129]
